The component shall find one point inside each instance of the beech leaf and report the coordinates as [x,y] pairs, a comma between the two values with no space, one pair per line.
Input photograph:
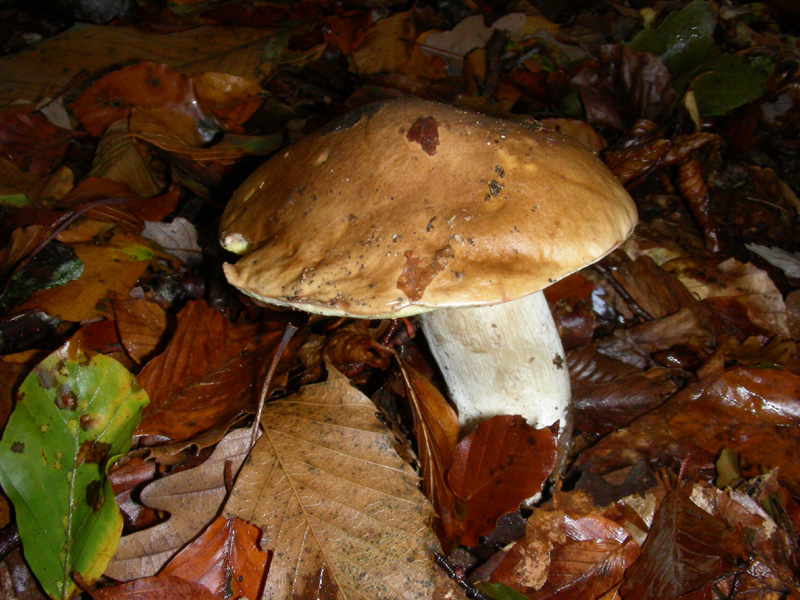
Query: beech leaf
[496,467]
[75,415]
[225,559]
[206,376]
[685,548]
[339,508]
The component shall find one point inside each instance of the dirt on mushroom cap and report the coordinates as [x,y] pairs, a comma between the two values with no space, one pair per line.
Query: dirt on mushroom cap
[408,205]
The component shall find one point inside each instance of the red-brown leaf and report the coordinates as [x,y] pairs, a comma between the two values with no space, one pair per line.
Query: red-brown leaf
[502,463]
[225,559]
[155,588]
[32,142]
[686,547]
[207,375]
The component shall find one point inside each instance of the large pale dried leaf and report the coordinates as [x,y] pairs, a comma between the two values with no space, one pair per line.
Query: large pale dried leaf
[225,559]
[208,374]
[686,547]
[503,462]
[340,509]
[192,498]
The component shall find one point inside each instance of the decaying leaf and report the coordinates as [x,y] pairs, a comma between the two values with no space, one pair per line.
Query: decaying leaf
[340,510]
[192,498]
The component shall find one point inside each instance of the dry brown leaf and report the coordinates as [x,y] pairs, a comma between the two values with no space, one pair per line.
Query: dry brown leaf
[225,559]
[140,323]
[686,548]
[732,288]
[208,374]
[192,498]
[436,430]
[386,45]
[229,98]
[113,267]
[117,158]
[341,511]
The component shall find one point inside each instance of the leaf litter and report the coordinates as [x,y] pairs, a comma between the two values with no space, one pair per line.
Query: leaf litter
[681,345]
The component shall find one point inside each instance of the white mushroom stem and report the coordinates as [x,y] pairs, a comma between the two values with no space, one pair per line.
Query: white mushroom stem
[503,359]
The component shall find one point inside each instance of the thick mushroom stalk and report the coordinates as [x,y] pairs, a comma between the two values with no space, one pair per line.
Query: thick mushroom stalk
[502,359]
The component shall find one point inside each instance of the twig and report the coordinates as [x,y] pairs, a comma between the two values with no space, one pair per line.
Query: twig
[287,336]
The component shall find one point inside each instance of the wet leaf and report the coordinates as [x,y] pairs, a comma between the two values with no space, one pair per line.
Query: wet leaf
[141,325]
[686,548]
[156,588]
[683,40]
[146,85]
[230,546]
[32,142]
[730,82]
[53,266]
[119,159]
[340,509]
[75,415]
[751,410]
[503,462]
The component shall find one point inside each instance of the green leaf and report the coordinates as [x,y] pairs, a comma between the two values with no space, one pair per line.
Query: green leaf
[684,39]
[731,81]
[14,200]
[500,591]
[75,415]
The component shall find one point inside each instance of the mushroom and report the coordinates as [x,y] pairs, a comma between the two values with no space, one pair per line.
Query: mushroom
[409,207]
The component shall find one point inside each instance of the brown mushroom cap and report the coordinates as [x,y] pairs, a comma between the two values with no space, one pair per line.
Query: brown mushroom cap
[407,206]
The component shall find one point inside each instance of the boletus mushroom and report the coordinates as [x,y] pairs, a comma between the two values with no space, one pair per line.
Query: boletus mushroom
[409,207]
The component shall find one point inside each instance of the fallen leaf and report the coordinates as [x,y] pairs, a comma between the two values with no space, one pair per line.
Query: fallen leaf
[141,325]
[32,142]
[230,99]
[155,588]
[179,238]
[75,415]
[686,548]
[192,498]
[208,374]
[146,85]
[496,467]
[225,559]
[338,507]
[118,158]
